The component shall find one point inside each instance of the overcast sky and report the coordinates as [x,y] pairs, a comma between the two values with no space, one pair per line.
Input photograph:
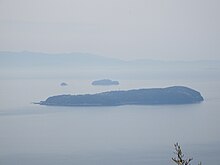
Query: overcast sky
[126,29]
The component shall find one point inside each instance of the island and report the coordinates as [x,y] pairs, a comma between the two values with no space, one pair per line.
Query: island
[105,82]
[151,96]
[63,84]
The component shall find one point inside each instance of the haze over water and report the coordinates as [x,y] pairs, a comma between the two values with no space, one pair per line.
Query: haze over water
[141,44]
[34,134]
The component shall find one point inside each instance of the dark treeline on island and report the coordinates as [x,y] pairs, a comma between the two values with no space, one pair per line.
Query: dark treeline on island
[152,96]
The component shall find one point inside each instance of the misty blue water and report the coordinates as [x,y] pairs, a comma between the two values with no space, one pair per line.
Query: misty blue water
[120,135]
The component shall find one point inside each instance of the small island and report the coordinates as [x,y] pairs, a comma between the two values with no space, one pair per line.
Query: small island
[105,82]
[153,96]
[63,84]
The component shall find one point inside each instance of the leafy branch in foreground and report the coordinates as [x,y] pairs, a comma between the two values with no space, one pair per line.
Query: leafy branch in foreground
[180,156]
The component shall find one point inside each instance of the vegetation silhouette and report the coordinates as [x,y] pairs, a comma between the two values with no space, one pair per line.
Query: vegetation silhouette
[180,160]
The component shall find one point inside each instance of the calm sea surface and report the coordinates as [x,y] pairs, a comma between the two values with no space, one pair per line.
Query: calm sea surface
[123,135]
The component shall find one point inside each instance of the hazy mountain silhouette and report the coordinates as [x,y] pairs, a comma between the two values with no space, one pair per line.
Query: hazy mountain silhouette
[95,66]
[33,59]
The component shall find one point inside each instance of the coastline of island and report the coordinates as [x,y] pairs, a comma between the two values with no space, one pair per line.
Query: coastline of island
[152,96]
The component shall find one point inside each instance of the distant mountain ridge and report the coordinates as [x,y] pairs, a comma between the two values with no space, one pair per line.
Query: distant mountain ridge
[30,59]
[84,65]
[27,59]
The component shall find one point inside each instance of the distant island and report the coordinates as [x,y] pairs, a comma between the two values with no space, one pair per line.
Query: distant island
[105,82]
[63,84]
[152,96]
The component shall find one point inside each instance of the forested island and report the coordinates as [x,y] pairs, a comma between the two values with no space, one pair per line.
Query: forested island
[151,96]
[105,82]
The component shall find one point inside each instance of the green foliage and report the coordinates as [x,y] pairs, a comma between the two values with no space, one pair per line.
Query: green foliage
[179,160]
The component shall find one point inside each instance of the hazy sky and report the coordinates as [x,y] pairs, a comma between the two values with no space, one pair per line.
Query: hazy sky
[127,29]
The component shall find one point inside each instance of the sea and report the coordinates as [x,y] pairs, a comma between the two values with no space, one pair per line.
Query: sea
[32,134]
